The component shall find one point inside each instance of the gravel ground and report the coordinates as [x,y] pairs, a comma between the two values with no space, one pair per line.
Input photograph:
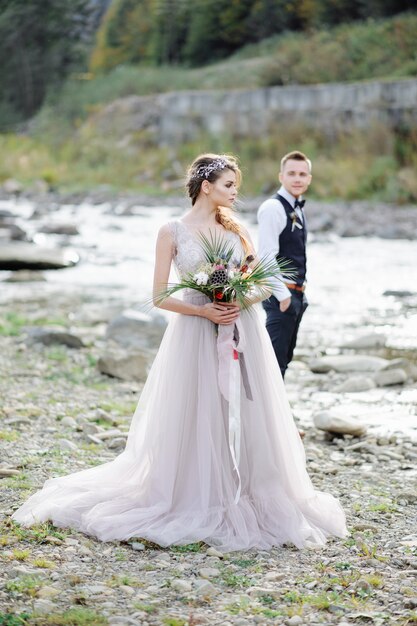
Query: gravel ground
[58,414]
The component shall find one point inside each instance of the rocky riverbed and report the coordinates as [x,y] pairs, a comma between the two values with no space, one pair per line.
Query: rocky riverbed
[75,347]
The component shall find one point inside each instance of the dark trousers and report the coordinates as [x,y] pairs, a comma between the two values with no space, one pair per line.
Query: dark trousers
[283,327]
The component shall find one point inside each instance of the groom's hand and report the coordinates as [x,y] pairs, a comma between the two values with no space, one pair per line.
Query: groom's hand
[284,304]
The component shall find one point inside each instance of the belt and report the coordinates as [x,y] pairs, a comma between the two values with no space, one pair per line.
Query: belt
[295,287]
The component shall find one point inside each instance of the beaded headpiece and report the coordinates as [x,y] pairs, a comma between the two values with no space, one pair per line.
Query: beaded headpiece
[215,166]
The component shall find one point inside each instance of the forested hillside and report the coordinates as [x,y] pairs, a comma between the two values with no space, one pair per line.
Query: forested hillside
[64,61]
[197,32]
[44,43]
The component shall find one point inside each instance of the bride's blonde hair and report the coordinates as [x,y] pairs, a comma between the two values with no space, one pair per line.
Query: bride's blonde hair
[210,167]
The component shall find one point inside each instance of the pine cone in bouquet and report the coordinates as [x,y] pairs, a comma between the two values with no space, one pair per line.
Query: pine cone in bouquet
[219,277]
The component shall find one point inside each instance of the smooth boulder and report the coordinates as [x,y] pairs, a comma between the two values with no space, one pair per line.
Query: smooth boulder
[18,256]
[355,384]
[133,366]
[50,336]
[347,363]
[366,342]
[332,423]
[134,329]
[60,229]
[389,377]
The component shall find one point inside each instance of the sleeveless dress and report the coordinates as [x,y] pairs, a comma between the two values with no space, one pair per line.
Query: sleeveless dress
[176,482]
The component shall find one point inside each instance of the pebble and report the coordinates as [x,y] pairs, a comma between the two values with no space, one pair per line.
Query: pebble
[204,588]
[118,442]
[67,446]
[208,572]
[213,552]
[275,576]
[138,546]
[6,472]
[295,620]
[181,585]
[48,592]
[69,422]
[44,607]
[258,592]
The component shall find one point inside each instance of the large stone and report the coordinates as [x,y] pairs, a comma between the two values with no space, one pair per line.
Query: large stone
[134,329]
[347,363]
[132,366]
[50,336]
[386,378]
[355,384]
[17,256]
[372,340]
[60,229]
[332,423]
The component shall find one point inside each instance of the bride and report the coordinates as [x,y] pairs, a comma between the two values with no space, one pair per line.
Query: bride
[193,468]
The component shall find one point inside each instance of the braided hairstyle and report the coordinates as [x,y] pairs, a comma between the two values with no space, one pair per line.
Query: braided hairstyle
[210,167]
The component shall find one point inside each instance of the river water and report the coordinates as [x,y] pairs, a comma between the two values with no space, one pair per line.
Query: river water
[347,280]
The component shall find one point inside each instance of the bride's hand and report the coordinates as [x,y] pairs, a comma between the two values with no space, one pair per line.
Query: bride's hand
[221,313]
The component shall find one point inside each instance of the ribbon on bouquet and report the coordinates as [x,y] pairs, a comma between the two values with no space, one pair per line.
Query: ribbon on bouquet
[232,367]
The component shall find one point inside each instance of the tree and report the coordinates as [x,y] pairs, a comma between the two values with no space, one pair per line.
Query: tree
[40,42]
[124,35]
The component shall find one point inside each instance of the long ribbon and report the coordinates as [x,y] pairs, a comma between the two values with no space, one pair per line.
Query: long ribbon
[230,345]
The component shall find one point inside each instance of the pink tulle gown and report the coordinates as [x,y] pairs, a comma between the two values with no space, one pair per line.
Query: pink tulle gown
[177,481]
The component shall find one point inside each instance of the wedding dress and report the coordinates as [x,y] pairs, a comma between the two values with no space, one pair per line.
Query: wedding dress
[176,481]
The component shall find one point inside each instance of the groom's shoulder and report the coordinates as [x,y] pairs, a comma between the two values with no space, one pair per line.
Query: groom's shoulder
[270,206]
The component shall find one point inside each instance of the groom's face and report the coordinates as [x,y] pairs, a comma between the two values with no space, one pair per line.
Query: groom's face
[295,177]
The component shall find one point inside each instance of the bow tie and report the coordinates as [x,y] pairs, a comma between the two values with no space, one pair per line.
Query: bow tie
[299,203]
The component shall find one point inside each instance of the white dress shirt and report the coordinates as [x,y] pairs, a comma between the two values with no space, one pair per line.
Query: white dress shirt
[272,220]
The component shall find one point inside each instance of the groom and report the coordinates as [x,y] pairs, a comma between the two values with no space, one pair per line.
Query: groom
[282,234]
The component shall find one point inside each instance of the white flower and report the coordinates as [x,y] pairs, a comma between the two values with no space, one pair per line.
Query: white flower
[201,278]
[231,273]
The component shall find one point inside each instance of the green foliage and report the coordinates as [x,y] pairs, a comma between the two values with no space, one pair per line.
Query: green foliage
[189,547]
[383,48]
[14,619]
[75,617]
[197,32]
[11,324]
[27,585]
[348,52]
[36,534]
[40,42]
[351,165]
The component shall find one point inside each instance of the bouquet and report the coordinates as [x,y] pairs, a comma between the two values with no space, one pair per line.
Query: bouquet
[222,279]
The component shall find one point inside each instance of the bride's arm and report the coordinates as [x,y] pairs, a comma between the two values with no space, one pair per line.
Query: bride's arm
[261,294]
[165,248]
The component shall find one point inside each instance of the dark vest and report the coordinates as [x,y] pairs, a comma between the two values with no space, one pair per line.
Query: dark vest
[292,243]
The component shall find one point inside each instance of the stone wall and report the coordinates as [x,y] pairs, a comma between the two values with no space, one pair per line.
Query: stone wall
[179,116]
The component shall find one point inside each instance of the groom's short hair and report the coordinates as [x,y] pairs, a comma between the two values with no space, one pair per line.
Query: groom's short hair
[295,155]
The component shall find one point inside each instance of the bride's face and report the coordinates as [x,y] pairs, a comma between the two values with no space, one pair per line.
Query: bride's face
[223,191]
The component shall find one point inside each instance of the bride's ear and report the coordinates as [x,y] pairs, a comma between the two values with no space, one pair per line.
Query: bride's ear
[205,187]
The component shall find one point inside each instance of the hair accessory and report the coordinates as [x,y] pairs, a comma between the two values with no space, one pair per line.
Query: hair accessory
[216,165]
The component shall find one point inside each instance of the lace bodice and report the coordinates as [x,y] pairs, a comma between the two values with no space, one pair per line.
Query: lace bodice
[188,254]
